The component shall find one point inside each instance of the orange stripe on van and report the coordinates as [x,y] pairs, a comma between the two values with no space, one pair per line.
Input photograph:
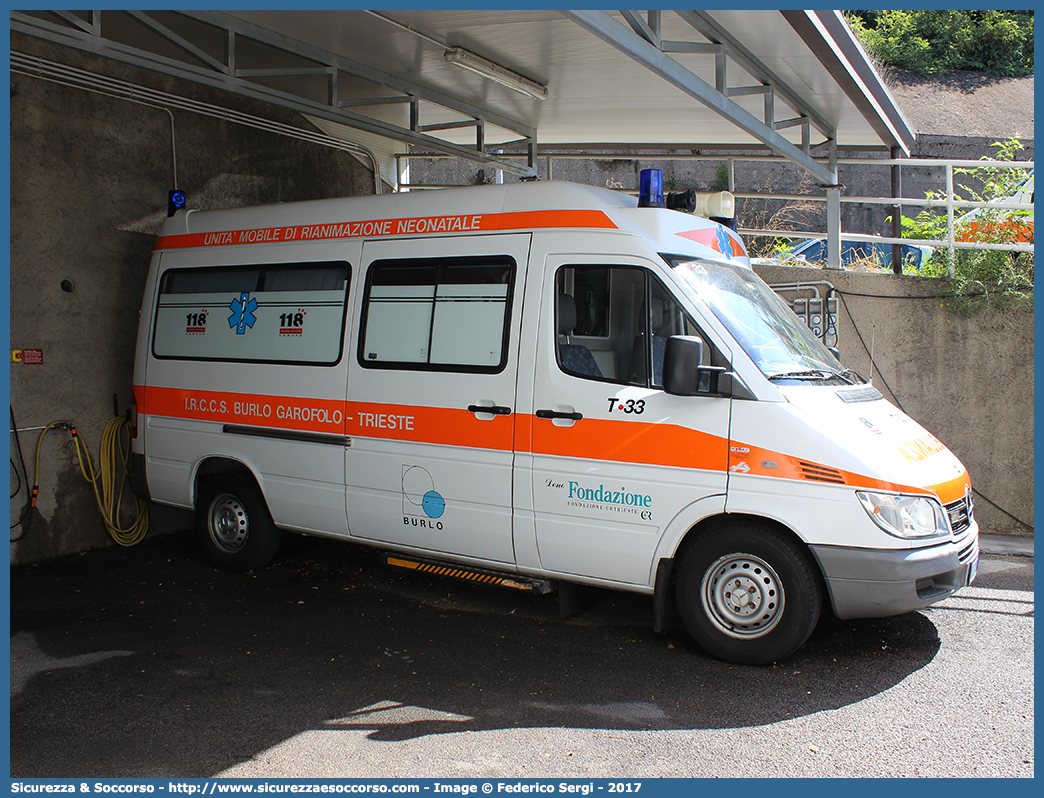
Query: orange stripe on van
[259,410]
[384,228]
[591,439]
[631,442]
[446,426]
[449,426]
[526,220]
[946,492]
[952,490]
[746,459]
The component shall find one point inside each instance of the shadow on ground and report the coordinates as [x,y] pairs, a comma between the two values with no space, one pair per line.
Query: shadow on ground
[146,662]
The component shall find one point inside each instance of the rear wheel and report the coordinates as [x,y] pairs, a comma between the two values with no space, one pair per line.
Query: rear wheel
[233,524]
[748,594]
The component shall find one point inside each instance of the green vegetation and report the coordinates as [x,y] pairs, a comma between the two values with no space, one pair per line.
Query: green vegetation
[721,177]
[982,278]
[930,42]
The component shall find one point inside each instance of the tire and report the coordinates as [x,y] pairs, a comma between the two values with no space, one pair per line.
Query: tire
[748,594]
[233,524]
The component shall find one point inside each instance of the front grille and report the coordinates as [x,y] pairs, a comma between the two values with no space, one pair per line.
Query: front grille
[960,514]
[928,590]
[965,555]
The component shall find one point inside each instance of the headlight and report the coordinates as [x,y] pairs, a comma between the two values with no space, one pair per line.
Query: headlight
[905,516]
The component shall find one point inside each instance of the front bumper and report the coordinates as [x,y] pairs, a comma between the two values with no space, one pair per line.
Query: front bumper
[871,583]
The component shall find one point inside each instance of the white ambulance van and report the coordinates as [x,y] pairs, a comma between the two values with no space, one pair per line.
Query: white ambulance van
[539,384]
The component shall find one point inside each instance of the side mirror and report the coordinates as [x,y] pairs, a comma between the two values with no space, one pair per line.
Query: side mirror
[683,374]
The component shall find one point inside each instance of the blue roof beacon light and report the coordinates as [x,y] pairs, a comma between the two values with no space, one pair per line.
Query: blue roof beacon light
[176,200]
[650,189]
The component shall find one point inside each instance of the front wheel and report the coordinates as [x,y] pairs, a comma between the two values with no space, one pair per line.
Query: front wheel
[233,524]
[748,594]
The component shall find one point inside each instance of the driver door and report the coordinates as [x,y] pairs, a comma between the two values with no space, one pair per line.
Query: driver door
[615,458]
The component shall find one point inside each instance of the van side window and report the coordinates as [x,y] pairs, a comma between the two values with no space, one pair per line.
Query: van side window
[273,313]
[611,321]
[437,314]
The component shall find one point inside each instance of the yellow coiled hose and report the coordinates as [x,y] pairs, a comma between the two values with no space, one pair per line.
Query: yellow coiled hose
[107,492]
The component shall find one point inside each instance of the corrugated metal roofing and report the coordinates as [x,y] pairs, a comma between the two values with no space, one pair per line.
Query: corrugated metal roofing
[670,79]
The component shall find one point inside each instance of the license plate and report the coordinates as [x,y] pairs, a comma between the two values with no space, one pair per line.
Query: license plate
[973,569]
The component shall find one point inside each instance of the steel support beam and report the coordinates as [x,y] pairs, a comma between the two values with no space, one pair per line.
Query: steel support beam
[749,63]
[178,41]
[357,68]
[214,74]
[647,55]
[91,25]
[826,34]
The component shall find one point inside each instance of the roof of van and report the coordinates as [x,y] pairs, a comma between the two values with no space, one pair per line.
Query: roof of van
[515,207]
[470,200]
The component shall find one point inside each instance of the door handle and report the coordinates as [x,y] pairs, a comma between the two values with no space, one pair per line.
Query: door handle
[552,414]
[496,410]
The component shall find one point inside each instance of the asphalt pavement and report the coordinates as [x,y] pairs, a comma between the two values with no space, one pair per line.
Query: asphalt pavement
[147,663]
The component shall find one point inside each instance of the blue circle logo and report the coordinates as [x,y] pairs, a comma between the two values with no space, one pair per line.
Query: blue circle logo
[434,505]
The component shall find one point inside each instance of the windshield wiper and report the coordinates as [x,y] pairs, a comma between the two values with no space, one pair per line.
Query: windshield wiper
[812,374]
[853,377]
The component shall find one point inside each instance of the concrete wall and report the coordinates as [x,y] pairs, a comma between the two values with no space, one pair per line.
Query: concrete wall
[967,379]
[89,183]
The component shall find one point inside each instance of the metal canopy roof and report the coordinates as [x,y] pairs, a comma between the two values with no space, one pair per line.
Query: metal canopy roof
[795,82]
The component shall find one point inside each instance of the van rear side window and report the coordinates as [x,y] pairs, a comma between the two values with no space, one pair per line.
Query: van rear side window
[273,313]
[437,314]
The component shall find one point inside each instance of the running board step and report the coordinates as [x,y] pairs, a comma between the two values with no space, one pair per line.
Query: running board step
[468,574]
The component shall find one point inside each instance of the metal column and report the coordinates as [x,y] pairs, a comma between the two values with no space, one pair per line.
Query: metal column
[833,203]
[897,212]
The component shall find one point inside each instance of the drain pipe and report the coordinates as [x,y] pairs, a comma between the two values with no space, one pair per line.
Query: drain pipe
[74,78]
[173,148]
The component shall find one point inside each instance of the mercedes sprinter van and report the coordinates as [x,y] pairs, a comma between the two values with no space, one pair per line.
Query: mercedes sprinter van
[536,384]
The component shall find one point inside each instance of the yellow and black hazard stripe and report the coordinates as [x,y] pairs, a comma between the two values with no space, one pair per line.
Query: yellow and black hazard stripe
[470,574]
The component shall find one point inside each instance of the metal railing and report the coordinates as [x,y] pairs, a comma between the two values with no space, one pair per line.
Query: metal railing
[949,200]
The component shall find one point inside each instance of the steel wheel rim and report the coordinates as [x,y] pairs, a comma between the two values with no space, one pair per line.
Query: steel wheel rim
[742,596]
[228,523]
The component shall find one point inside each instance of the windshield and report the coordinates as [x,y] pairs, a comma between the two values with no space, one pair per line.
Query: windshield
[776,340]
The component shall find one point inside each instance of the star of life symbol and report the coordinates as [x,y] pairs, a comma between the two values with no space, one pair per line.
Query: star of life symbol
[242,313]
[724,242]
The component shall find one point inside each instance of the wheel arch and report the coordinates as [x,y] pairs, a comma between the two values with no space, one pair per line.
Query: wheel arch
[724,519]
[221,465]
[667,559]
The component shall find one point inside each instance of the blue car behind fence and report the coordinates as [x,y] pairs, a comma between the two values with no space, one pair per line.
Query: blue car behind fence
[814,251]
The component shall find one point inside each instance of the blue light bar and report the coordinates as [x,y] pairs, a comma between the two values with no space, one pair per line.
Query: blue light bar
[650,189]
[176,200]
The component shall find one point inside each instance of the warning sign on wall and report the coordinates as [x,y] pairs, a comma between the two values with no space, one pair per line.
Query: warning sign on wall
[32,357]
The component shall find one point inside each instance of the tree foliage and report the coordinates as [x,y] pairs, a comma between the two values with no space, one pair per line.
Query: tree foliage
[932,41]
[981,278]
